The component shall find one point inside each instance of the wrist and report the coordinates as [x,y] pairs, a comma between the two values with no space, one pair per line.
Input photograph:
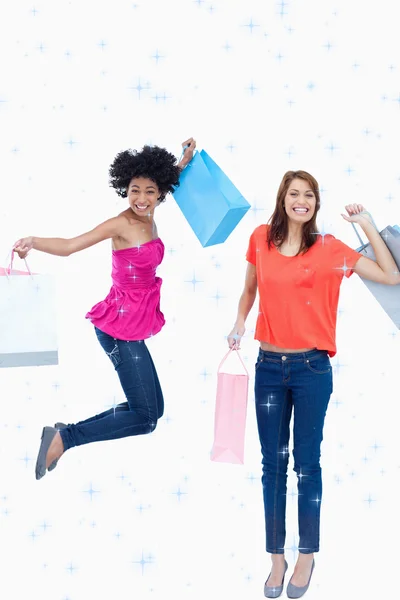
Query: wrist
[239,323]
[366,224]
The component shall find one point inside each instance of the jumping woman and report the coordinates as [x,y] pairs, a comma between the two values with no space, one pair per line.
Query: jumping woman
[131,311]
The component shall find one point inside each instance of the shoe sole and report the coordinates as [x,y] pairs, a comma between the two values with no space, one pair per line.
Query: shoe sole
[48,434]
[54,463]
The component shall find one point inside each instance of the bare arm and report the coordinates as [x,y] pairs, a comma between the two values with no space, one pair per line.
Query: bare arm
[65,247]
[384,270]
[245,305]
[189,147]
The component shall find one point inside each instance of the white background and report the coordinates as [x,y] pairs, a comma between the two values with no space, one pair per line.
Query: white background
[264,87]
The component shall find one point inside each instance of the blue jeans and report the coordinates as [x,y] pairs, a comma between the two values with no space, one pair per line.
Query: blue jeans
[303,382]
[144,405]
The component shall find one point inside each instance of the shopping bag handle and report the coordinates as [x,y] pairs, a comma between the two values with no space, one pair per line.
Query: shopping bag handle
[10,266]
[226,356]
[183,152]
[365,212]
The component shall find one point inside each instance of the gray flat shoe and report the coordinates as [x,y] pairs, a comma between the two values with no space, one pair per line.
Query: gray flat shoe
[54,463]
[275,592]
[297,592]
[48,434]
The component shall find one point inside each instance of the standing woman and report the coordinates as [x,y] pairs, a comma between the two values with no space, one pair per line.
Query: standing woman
[131,311]
[298,273]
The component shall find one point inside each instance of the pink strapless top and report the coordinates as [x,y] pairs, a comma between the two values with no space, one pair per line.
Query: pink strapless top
[131,311]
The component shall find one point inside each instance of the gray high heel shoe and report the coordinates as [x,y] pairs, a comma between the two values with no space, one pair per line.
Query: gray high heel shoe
[275,592]
[293,591]
[48,434]
[54,463]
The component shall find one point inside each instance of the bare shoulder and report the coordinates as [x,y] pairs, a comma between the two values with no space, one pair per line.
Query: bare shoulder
[133,231]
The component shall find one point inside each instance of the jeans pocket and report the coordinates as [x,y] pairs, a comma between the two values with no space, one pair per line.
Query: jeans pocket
[319,366]
[114,355]
[110,347]
[258,363]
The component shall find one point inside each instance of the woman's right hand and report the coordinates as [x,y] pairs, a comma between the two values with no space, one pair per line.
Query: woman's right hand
[235,337]
[23,246]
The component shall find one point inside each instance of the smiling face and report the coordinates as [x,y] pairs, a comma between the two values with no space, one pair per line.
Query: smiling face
[300,201]
[143,196]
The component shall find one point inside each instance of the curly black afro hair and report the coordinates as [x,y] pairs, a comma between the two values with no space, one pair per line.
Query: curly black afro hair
[151,162]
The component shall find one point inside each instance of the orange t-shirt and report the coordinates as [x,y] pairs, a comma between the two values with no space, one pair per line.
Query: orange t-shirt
[299,295]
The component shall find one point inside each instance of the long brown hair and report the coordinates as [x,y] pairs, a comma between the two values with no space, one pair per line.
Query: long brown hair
[279,221]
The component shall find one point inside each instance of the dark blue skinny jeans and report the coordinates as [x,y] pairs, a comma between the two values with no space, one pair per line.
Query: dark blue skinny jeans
[144,400]
[301,382]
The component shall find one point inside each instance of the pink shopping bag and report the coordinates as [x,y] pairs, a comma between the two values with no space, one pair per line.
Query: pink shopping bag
[230,415]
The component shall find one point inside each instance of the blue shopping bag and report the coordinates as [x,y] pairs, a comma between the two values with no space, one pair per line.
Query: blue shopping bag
[209,201]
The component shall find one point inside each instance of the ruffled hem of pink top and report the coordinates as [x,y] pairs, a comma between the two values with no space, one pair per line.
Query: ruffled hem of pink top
[140,318]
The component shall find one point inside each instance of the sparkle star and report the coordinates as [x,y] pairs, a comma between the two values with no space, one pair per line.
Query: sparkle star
[343,268]
[157,56]
[300,475]
[269,404]
[71,143]
[251,25]
[143,562]
[205,374]
[282,6]
[332,148]
[91,492]
[139,88]
[252,88]
[71,568]
[284,452]
[179,493]
[369,500]
[322,233]
[194,281]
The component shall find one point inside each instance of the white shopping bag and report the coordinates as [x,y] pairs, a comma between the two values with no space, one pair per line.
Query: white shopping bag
[28,335]
[388,296]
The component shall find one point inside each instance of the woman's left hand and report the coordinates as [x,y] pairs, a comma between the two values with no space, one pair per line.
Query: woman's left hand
[189,147]
[356,213]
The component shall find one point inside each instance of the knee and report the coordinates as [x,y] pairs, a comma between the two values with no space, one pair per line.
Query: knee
[276,464]
[152,425]
[304,469]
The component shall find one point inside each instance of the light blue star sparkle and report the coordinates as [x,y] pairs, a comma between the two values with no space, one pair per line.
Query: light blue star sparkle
[343,268]
[157,56]
[322,233]
[369,500]
[252,88]
[194,281]
[91,492]
[143,562]
[251,25]
[139,88]
[179,493]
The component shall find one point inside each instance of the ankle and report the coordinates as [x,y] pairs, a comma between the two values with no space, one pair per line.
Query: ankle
[305,558]
[278,559]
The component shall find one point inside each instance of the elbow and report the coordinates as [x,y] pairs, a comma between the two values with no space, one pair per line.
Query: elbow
[393,278]
[67,249]
[250,293]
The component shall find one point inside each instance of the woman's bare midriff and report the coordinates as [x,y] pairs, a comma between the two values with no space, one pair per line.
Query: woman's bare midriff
[270,348]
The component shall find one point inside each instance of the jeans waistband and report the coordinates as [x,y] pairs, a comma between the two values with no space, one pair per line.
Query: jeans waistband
[291,356]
